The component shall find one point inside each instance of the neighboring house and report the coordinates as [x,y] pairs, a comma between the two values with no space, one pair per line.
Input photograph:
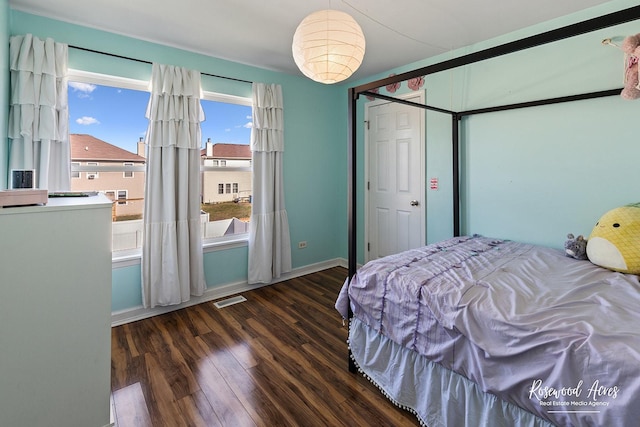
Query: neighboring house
[124,186]
[222,185]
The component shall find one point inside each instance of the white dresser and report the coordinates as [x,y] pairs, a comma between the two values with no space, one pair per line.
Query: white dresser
[55,313]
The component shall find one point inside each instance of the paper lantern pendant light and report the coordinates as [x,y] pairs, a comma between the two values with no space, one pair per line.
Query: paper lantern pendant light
[328,46]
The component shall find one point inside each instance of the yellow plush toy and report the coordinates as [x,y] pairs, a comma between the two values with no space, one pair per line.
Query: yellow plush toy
[614,242]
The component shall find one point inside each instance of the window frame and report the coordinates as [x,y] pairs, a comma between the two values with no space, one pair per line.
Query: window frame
[125,172]
[132,256]
[75,174]
[93,174]
[121,201]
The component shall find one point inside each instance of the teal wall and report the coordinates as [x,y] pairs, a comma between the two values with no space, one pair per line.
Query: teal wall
[4,89]
[126,288]
[314,163]
[537,175]
[534,174]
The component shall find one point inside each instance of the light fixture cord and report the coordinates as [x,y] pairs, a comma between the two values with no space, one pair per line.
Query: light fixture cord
[391,29]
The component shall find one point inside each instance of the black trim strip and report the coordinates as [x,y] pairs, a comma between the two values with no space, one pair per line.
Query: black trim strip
[570,98]
[455,147]
[407,102]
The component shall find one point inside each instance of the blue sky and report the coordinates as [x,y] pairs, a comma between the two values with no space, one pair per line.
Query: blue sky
[117,116]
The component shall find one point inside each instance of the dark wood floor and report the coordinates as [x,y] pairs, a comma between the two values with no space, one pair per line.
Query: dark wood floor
[278,359]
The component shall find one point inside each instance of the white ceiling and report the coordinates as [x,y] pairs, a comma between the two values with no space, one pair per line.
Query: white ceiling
[259,32]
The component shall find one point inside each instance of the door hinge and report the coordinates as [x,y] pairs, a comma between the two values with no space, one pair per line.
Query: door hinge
[367,122]
[368,247]
[368,185]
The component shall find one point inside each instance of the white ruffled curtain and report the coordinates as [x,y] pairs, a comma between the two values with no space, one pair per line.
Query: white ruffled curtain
[269,241]
[172,264]
[38,126]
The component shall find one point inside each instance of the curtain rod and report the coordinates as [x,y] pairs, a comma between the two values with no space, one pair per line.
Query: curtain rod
[150,63]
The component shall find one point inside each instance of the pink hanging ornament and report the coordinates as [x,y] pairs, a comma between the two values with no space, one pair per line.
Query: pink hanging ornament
[376,90]
[416,83]
[393,87]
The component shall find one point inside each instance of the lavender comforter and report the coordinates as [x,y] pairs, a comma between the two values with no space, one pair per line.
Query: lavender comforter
[553,335]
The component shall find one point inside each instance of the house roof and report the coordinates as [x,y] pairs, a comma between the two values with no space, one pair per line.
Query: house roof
[86,148]
[228,151]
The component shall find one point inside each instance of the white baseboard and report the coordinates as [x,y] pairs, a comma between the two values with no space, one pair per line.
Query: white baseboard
[138,313]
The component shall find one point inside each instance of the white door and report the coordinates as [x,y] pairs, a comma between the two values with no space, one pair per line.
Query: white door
[395,177]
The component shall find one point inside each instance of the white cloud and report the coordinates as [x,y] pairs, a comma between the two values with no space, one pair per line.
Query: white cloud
[84,120]
[85,88]
[227,130]
[248,125]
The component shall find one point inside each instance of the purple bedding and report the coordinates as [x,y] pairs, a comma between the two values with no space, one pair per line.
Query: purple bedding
[553,335]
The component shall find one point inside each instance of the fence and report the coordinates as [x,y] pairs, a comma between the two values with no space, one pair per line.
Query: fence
[127,235]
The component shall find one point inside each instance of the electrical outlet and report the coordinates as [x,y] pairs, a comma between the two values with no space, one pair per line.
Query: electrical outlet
[302,245]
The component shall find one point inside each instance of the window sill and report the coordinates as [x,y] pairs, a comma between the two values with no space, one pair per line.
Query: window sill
[224,243]
[122,259]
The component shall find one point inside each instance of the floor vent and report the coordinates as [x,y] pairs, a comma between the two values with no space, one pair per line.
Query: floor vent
[229,301]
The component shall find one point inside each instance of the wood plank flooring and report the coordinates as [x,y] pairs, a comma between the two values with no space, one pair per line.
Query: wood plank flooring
[278,359]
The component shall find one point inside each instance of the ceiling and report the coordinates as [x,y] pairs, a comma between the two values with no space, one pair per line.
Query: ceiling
[259,32]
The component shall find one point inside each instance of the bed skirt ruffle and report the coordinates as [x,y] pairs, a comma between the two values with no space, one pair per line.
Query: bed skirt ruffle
[437,396]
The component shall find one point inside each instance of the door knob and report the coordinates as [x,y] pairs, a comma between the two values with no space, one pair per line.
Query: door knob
[414,203]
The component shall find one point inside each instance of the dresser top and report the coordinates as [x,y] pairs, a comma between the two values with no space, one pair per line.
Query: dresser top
[61,203]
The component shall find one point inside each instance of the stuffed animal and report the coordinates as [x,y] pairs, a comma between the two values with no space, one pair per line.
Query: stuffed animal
[614,242]
[631,48]
[575,247]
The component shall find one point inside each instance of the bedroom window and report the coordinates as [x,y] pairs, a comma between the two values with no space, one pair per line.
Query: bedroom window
[226,167]
[107,125]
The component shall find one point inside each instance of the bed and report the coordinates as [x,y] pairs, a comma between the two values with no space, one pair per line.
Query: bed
[426,328]
[481,331]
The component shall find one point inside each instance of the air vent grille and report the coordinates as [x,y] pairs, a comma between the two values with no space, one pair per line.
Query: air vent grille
[229,301]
